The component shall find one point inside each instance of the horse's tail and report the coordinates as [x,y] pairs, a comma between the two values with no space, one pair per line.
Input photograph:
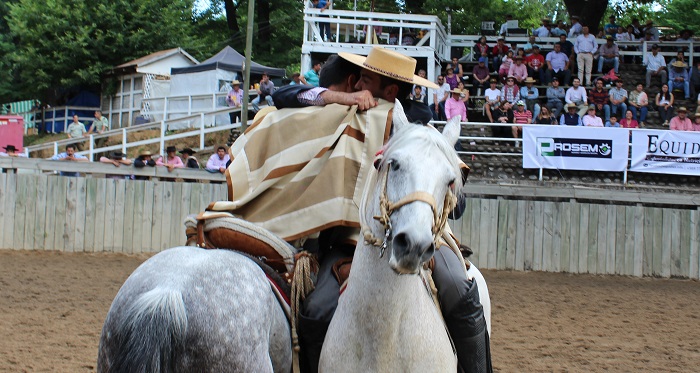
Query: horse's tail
[153,328]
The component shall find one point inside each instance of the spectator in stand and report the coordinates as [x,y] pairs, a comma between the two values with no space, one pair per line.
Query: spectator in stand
[503,114]
[639,104]
[11,151]
[510,91]
[656,65]
[544,30]
[567,48]
[188,158]
[312,76]
[681,122]
[696,122]
[519,52]
[571,117]
[480,76]
[482,49]
[584,47]
[423,90]
[521,117]
[264,92]
[518,70]
[493,98]
[559,30]
[628,121]
[529,45]
[651,29]
[296,79]
[498,52]
[600,99]
[611,27]
[576,95]
[455,106]
[680,56]
[576,29]
[695,79]
[417,94]
[451,78]
[628,37]
[76,130]
[555,98]
[171,160]
[234,99]
[531,95]
[685,36]
[439,98]
[679,79]
[618,97]
[99,125]
[506,63]
[608,53]
[557,66]
[590,119]
[456,67]
[464,96]
[546,117]
[536,67]
[218,161]
[664,102]
[144,159]
[504,27]
[117,159]
[70,156]
[637,29]
[612,122]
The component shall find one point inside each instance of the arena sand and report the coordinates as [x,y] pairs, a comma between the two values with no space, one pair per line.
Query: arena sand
[52,307]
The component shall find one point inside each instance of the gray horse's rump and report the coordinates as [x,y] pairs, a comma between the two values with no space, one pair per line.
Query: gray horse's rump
[188,309]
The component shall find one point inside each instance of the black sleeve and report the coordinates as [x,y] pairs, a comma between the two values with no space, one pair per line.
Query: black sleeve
[138,163]
[191,163]
[151,163]
[286,97]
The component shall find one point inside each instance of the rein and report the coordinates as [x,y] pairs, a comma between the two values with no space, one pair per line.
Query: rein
[387,208]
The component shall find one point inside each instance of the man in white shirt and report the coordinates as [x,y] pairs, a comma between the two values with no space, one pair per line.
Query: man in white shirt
[577,95]
[493,98]
[576,28]
[584,47]
[656,65]
[542,31]
[504,27]
[438,99]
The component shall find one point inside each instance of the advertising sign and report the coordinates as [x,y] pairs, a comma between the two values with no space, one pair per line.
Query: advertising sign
[666,152]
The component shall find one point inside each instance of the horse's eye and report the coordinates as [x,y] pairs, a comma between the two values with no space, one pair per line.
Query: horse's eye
[394,165]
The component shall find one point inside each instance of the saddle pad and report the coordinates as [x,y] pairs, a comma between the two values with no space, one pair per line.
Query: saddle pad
[224,230]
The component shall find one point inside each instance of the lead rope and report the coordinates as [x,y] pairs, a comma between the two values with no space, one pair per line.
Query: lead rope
[302,285]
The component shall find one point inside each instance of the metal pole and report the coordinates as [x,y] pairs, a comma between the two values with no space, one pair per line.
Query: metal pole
[246,73]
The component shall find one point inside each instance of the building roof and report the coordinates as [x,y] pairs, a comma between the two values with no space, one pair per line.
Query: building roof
[154,57]
[229,59]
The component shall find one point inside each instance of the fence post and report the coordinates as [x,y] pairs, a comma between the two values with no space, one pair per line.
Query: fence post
[189,105]
[91,152]
[690,52]
[201,130]
[644,52]
[55,148]
[162,137]
[213,101]
[65,119]
[540,174]
[124,141]
[165,108]
[53,122]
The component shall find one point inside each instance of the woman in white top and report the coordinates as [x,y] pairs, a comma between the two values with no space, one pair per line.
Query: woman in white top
[493,98]
[590,119]
[664,102]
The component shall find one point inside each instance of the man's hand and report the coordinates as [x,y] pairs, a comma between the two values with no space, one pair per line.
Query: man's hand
[222,169]
[600,107]
[116,163]
[170,167]
[363,99]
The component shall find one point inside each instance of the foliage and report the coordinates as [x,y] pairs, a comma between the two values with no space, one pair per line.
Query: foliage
[681,15]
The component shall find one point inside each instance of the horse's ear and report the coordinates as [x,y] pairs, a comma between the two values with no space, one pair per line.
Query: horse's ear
[452,129]
[399,117]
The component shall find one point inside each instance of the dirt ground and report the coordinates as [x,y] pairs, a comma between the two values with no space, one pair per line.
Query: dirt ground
[52,307]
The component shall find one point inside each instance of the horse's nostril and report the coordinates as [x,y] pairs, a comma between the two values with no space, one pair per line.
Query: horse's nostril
[401,241]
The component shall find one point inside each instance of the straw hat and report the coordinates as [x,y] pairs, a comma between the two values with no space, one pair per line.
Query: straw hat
[679,64]
[235,82]
[571,106]
[683,109]
[529,80]
[145,153]
[389,63]
[457,90]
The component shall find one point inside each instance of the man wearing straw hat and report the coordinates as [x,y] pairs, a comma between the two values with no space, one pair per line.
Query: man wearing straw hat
[329,181]
[679,79]
[234,99]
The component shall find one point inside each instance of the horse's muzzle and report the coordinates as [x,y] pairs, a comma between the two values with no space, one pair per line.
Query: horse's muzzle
[410,251]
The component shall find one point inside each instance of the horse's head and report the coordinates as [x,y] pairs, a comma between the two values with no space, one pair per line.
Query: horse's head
[418,177]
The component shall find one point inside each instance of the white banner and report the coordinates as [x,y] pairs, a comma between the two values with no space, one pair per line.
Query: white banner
[575,148]
[666,152]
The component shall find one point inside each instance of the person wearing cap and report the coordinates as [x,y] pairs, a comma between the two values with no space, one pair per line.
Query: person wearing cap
[455,106]
[584,47]
[234,99]
[611,27]
[656,65]
[493,97]
[600,98]
[681,122]
[536,67]
[531,95]
[557,66]
[11,151]
[638,103]
[510,91]
[188,158]
[576,29]
[571,117]
[481,75]
[678,78]
[518,70]
[171,160]
[498,52]
[264,92]
[577,95]
[521,117]
[652,30]
[590,119]
[555,98]
[618,98]
[608,53]
[696,122]
[71,156]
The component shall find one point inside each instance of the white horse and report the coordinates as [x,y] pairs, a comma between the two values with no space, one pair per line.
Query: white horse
[386,320]
[188,309]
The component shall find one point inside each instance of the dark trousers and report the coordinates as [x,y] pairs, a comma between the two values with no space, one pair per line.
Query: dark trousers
[563,75]
[459,300]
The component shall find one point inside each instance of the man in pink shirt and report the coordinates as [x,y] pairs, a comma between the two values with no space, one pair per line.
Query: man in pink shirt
[518,70]
[681,122]
[521,116]
[455,106]
[171,160]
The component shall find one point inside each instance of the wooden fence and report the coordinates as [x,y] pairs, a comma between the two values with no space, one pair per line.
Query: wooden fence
[76,214]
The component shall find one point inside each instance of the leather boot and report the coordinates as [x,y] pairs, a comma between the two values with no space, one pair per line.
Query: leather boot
[311,335]
[467,327]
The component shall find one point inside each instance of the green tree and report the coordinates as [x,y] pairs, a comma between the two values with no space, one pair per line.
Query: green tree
[682,14]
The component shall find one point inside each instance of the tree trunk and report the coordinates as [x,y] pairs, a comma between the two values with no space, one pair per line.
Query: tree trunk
[232,17]
[590,11]
[264,28]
